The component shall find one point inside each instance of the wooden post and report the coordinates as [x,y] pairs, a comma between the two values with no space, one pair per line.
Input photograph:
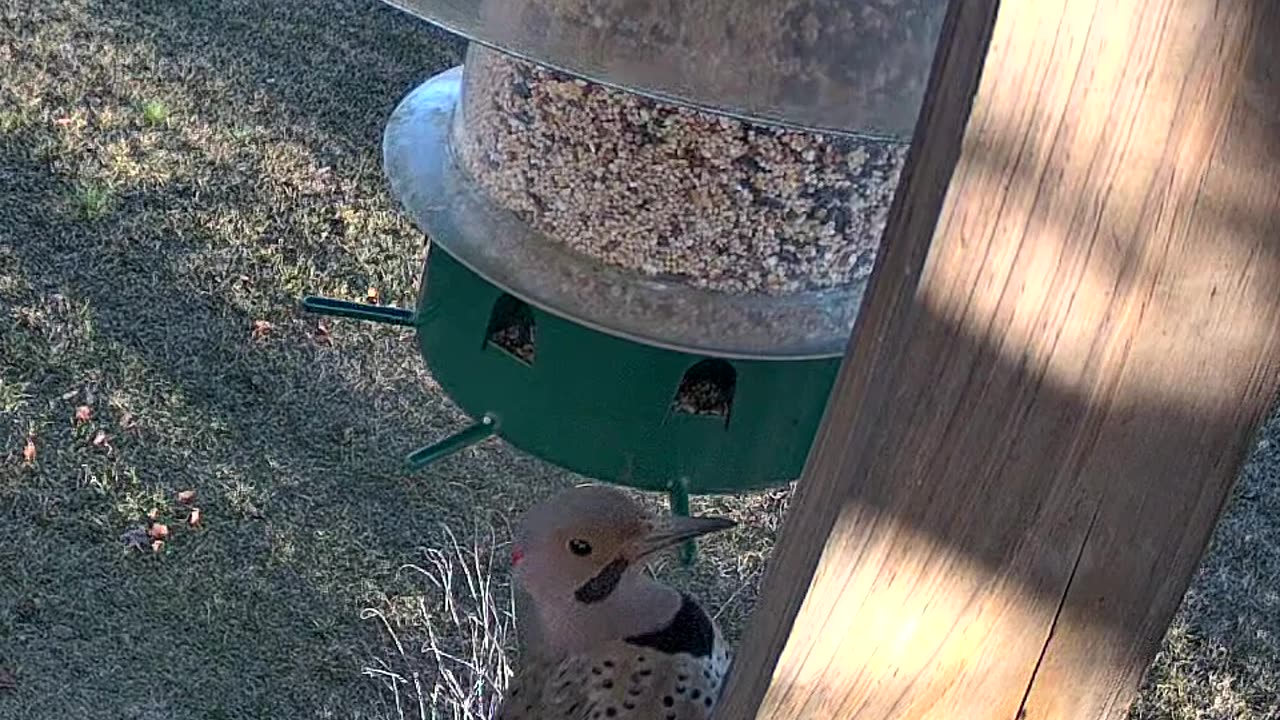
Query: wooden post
[1072,334]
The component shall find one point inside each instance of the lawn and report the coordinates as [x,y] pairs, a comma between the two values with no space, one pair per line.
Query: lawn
[174,176]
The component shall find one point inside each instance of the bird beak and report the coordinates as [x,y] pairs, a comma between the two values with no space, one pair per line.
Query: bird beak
[676,529]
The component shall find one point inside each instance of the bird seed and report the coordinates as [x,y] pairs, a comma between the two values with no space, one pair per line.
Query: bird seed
[671,192]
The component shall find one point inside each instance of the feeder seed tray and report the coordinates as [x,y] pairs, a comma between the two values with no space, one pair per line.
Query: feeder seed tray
[494,242]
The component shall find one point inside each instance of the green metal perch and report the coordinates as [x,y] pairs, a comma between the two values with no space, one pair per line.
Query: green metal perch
[359,311]
[680,506]
[476,433]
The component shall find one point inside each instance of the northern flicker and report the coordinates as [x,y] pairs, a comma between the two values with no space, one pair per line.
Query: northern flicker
[609,641]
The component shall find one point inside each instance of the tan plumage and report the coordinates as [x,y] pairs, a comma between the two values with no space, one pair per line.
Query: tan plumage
[607,641]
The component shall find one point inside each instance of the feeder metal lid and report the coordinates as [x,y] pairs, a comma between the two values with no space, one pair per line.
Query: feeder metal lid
[846,66]
[491,241]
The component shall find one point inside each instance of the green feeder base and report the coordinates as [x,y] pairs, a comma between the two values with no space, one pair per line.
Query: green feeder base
[600,405]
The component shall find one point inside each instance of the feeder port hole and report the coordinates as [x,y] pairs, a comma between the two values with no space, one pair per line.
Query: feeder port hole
[512,328]
[707,389]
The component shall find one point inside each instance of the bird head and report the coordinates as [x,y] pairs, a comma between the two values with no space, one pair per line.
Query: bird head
[578,545]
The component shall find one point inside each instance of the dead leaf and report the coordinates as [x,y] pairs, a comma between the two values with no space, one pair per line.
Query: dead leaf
[322,335]
[62,121]
[372,296]
[84,413]
[157,545]
[260,329]
[100,438]
[8,681]
[134,538]
[70,393]
[29,452]
[186,496]
[127,420]
[153,514]
[194,518]
[158,531]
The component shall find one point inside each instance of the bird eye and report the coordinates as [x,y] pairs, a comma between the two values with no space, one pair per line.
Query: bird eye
[579,547]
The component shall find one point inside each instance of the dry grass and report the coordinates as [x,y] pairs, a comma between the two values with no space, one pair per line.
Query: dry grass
[459,666]
[174,173]
[1220,659]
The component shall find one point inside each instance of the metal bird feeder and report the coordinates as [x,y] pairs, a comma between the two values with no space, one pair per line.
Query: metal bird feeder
[651,224]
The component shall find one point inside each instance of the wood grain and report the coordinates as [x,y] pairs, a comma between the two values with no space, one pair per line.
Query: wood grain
[1072,333]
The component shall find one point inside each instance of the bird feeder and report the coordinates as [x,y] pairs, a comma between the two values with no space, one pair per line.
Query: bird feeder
[651,224]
